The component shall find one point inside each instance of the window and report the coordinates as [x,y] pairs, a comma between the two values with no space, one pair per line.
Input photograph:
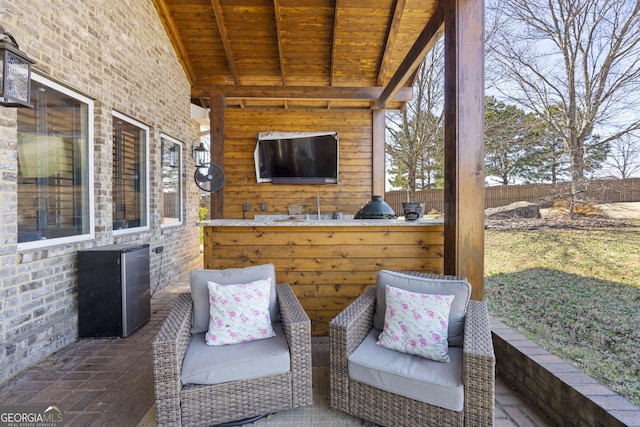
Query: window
[171,181]
[55,166]
[129,184]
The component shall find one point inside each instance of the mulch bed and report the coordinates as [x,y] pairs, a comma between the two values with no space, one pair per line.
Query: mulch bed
[560,222]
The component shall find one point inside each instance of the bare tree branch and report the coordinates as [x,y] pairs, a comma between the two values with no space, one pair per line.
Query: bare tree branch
[580,55]
[415,133]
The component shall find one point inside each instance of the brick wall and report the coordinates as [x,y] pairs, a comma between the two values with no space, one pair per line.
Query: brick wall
[560,391]
[117,53]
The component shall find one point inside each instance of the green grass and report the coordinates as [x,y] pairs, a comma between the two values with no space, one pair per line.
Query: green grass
[574,292]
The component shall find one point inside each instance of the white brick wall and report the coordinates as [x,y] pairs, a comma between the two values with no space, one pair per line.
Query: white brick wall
[116,52]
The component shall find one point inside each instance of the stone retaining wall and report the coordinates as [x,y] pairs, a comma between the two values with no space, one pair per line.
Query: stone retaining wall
[560,391]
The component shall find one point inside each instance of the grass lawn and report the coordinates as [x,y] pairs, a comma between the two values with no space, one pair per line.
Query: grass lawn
[574,292]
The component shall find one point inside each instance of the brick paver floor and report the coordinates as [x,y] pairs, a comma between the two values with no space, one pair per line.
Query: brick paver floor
[109,381]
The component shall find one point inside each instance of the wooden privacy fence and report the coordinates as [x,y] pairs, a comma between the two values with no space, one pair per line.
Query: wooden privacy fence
[601,191]
[171,205]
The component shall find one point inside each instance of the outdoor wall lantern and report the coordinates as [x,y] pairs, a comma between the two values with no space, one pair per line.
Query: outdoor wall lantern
[199,154]
[15,67]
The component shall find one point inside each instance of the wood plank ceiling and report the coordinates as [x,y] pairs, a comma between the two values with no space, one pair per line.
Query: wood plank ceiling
[299,53]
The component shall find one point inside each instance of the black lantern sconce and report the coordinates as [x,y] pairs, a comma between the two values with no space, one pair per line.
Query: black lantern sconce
[15,67]
[200,154]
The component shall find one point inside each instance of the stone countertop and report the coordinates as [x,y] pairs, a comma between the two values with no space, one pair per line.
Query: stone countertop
[288,222]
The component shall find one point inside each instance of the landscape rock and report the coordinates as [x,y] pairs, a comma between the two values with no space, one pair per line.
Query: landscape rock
[514,210]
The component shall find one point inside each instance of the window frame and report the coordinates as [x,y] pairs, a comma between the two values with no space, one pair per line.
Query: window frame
[38,244]
[147,209]
[180,146]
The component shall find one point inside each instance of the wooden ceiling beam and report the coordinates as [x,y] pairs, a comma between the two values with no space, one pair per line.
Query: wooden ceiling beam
[278,18]
[176,41]
[334,93]
[332,59]
[425,41]
[217,11]
[392,34]
[333,44]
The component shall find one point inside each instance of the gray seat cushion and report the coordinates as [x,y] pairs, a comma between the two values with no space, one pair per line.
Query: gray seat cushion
[205,364]
[461,289]
[231,276]
[435,383]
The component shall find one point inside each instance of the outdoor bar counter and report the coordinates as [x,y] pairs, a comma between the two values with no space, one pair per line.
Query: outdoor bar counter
[328,262]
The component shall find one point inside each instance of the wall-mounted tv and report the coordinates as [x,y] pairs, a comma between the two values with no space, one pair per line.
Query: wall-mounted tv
[297,157]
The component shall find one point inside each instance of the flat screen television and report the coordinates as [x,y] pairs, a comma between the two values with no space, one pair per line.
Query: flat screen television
[297,158]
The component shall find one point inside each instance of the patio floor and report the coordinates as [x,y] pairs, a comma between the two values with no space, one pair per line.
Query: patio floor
[109,382]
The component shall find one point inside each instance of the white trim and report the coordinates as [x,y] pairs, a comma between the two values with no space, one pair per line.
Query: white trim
[182,182]
[146,129]
[293,135]
[37,244]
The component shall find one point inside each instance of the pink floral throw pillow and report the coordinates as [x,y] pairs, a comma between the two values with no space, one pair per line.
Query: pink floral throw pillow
[239,313]
[416,323]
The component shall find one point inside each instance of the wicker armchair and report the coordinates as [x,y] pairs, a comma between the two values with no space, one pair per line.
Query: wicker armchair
[476,372]
[180,404]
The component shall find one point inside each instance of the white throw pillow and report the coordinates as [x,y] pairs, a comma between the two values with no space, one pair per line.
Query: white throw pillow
[239,313]
[416,323]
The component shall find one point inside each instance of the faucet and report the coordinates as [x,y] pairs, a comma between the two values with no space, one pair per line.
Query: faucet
[318,203]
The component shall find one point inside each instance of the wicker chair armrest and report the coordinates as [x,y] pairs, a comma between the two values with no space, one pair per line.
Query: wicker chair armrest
[346,331]
[297,329]
[169,348]
[478,367]
[356,320]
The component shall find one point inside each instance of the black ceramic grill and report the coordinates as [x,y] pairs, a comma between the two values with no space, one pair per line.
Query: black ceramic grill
[376,209]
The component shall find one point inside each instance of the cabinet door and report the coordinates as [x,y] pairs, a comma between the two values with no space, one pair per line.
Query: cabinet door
[135,290]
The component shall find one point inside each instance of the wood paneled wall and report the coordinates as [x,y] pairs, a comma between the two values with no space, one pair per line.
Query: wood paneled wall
[327,266]
[354,186]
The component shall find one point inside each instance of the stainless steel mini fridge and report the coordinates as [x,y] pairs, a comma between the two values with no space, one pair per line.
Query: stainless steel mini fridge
[114,294]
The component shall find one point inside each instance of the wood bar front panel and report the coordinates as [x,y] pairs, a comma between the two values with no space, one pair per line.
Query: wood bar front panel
[327,267]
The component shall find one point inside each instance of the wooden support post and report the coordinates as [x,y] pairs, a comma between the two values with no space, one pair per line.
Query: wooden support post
[378,169]
[216,131]
[464,142]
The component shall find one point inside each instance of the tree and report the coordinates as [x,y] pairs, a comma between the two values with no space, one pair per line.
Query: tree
[553,159]
[596,153]
[625,156]
[415,136]
[553,164]
[509,142]
[581,55]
